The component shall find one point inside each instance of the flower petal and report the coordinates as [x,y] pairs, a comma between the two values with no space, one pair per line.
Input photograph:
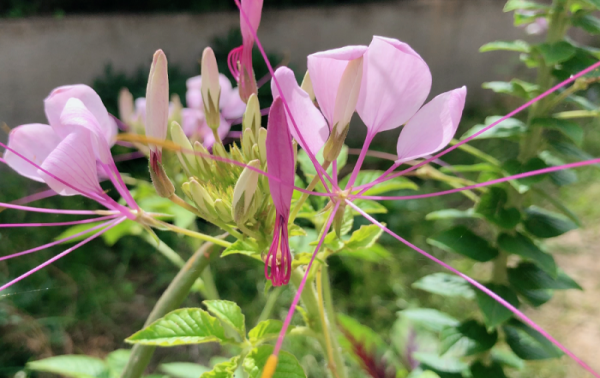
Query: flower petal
[73,161]
[35,141]
[55,103]
[307,117]
[433,126]
[396,81]
[232,105]
[253,10]
[157,99]
[325,69]
[280,158]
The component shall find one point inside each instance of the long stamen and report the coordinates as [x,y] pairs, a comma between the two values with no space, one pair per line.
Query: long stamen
[35,197]
[487,183]
[71,223]
[479,286]
[511,114]
[48,211]
[361,158]
[110,224]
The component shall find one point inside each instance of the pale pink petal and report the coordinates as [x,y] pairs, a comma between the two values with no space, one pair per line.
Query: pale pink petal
[73,161]
[280,158]
[232,105]
[433,126]
[157,99]
[193,96]
[140,110]
[57,99]
[395,83]
[308,118]
[325,69]
[253,10]
[192,120]
[35,141]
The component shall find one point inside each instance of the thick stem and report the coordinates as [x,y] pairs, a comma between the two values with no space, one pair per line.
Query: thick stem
[171,299]
[328,299]
[325,324]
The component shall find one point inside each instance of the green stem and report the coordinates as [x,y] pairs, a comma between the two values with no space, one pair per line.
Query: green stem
[499,273]
[576,114]
[171,299]
[271,300]
[476,152]
[197,235]
[328,299]
[210,289]
[325,324]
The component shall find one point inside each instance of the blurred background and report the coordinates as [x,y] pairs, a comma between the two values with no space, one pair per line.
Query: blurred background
[89,302]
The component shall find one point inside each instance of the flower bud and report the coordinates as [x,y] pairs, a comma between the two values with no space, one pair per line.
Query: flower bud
[223,210]
[247,142]
[164,187]
[252,115]
[211,89]
[243,192]
[157,100]
[200,196]
[262,144]
[236,154]
[176,107]
[308,87]
[187,159]
[204,163]
[126,108]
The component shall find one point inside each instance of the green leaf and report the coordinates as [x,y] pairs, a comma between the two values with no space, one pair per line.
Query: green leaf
[473,338]
[493,312]
[364,237]
[77,229]
[452,214]
[528,276]
[463,241]
[536,297]
[491,206]
[181,327]
[528,343]
[246,247]
[370,340]
[562,177]
[429,318]
[507,358]
[77,366]
[587,22]
[569,128]
[369,207]
[521,245]
[116,361]
[545,224]
[554,53]
[479,370]
[479,167]
[309,169]
[511,127]
[296,230]
[515,87]
[287,365]
[367,177]
[441,364]
[375,253]
[228,312]
[445,284]
[225,369]
[518,45]
[183,369]
[264,331]
[514,167]
[512,5]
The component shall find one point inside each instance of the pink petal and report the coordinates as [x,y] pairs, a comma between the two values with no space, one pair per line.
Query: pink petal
[307,117]
[396,81]
[232,105]
[57,99]
[280,158]
[35,141]
[140,110]
[433,126]
[192,120]
[157,99]
[325,69]
[253,10]
[73,161]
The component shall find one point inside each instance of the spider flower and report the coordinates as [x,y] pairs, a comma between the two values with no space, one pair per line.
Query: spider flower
[280,160]
[240,58]
[157,106]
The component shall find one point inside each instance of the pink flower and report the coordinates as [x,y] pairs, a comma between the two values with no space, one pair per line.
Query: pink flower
[193,119]
[280,161]
[157,106]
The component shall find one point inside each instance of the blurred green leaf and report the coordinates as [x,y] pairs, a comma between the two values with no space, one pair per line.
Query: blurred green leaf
[515,87]
[369,207]
[557,52]
[429,318]
[587,22]
[507,358]
[225,369]
[528,276]
[370,340]
[183,369]
[375,253]
[494,370]
[521,245]
[441,364]
[545,224]
[116,361]
[452,214]
[287,365]
[445,284]
[244,247]
[471,337]
[367,177]
[569,128]
[510,127]
[264,331]
[229,313]
[518,45]
[493,312]
[528,343]
[76,366]
[463,241]
[512,5]
[364,237]
[491,206]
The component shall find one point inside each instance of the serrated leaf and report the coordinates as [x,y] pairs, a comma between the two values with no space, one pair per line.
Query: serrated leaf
[364,237]
[493,370]
[183,369]
[264,331]
[445,284]
[244,247]
[528,343]
[510,127]
[287,365]
[224,369]
[471,337]
[116,361]
[521,245]
[229,313]
[546,224]
[512,5]
[181,327]
[463,241]
[518,45]
[452,214]
[429,318]
[554,53]
[493,312]
[375,253]
[76,366]
[569,128]
[528,276]
[491,206]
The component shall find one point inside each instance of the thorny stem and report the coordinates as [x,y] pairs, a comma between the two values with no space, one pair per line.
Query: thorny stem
[171,299]
[324,323]
[304,197]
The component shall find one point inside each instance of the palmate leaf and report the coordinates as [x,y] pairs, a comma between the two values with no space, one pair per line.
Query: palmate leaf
[76,366]
[228,312]
[181,327]
[287,365]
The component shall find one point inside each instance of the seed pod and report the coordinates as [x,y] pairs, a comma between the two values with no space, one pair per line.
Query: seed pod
[243,193]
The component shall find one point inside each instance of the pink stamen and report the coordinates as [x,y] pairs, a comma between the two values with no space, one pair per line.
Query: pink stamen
[48,211]
[361,158]
[110,224]
[35,197]
[479,286]
[290,313]
[45,246]
[487,183]
[71,223]
[232,62]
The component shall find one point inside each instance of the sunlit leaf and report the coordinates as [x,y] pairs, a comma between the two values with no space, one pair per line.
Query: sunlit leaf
[429,318]
[228,312]
[364,237]
[287,365]
[225,369]
[244,247]
[264,331]
[76,366]
[510,127]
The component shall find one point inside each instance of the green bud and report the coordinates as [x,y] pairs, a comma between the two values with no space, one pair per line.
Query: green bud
[236,154]
[200,196]
[248,141]
[219,150]
[256,153]
[164,187]
[252,115]
[262,144]
[205,164]
[223,210]
[335,142]
[187,160]
[243,193]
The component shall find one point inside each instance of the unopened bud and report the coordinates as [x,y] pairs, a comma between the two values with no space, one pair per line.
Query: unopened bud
[338,219]
[262,144]
[219,150]
[247,142]
[157,99]
[200,196]
[236,154]
[223,210]
[308,87]
[204,163]
[175,108]
[211,89]
[187,158]
[164,187]
[244,191]
[126,108]
[252,115]
[335,142]
[256,153]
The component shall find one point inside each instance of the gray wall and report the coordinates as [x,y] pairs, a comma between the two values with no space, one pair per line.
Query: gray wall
[39,54]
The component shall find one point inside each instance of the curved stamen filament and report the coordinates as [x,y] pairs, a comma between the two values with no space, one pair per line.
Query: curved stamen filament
[54,211]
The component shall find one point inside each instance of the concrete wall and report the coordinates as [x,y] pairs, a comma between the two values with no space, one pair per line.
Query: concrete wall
[39,54]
